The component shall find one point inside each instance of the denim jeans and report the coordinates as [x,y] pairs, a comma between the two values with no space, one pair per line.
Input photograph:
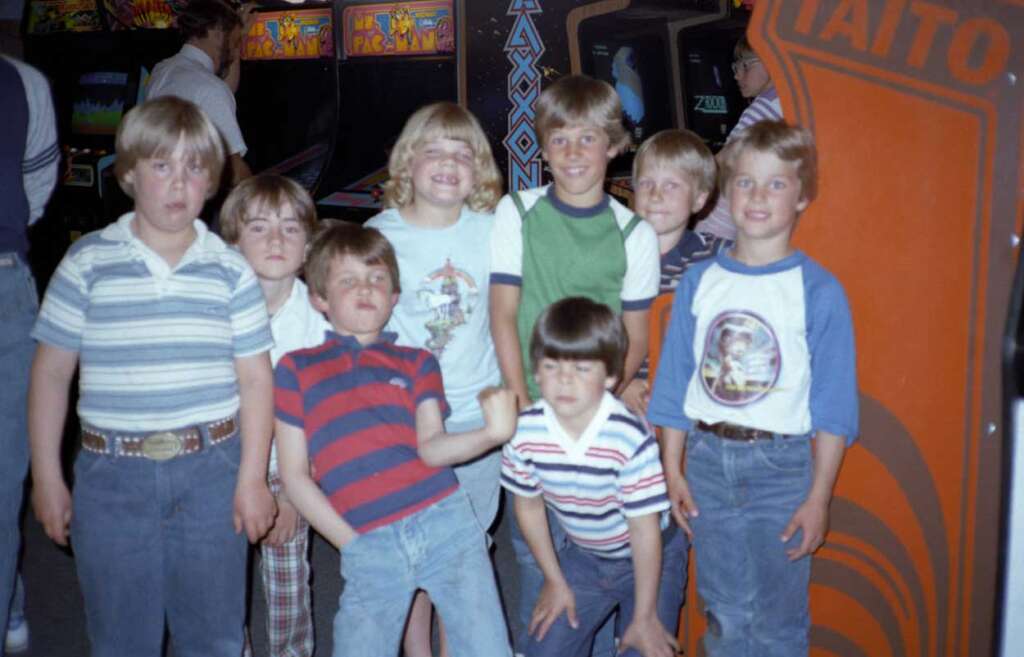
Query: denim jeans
[755,598]
[531,581]
[155,540]
[601,586]
[19,304]
[440,549]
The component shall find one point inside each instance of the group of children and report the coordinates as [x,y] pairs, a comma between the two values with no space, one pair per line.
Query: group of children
[392,431]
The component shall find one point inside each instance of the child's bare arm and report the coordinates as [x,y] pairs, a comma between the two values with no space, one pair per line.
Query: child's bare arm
[254,505]
[504,307]
[673,447]
[812,515]
[438,448]
[52,370]
[555,596]
[645,632]
[636,322]
[305,495]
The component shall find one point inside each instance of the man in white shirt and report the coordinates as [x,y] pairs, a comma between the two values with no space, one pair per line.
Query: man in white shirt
[206,72]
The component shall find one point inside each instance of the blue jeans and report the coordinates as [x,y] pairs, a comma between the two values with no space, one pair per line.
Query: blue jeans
[155,540]
[755,598]
[531,581]
[19,304]
[603,585]
[440,549]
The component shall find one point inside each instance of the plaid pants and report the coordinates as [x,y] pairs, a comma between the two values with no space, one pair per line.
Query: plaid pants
[285,573]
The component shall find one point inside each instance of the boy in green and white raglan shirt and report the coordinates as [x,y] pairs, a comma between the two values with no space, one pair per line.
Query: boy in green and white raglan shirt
[569,239]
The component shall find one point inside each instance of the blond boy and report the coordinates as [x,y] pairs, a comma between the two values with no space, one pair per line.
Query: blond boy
[170,331]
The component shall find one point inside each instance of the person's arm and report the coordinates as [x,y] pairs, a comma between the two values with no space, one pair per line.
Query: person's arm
[673,449]
[555,596]
[812,515]
[254,505]
[42,153]
[52,371]
[645,632]
[637,323]
[293,464]
[504,307]
[438,448]
[239,169]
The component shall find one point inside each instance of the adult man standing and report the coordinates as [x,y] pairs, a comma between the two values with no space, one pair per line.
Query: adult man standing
[206,72]
[28,173]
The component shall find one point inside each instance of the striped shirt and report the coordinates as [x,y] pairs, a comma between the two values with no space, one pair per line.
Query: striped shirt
[357,406]
[594,483]
[156,346]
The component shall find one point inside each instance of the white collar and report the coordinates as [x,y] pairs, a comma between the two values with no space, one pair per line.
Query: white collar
[576,448]
[197,55]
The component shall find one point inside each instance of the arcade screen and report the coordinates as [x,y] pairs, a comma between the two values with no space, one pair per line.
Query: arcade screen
[712,100]
[638,69]
[100,102]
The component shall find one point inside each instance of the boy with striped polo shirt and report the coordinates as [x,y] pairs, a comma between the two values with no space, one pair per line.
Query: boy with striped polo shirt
[581,452]
[169,329]
[368,415]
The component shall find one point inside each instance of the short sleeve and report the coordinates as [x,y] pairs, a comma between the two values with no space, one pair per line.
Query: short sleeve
[288,394]
[507,244]
[250,324]
[428,383]
[62,315]
[517,473]
[643,268]
[834,402]
[641,482]
[219,104]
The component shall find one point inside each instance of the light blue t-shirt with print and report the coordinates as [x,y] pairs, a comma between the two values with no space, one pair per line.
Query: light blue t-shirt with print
[443,306]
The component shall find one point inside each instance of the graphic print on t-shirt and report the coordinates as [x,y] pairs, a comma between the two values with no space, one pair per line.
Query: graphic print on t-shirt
[451,295]
[741,360]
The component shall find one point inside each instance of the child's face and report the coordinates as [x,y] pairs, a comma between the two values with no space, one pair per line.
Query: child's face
[666,197]
[273,240]
[751,76]
[442,173]
[765,197]
[169,191]
[578,156]
[359,298]
[573,388]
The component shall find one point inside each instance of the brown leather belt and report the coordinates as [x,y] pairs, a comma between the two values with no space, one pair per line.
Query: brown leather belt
[159,445]
[728,431]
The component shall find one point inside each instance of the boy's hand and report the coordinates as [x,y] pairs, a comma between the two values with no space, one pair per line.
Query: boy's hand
[52,505]
[555,598]
[254,509]
[683,506]
[812,518]
[499,407]
[286,524]
[649,637]
[636,396]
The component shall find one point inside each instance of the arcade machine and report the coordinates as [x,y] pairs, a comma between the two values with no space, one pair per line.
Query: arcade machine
[288,93]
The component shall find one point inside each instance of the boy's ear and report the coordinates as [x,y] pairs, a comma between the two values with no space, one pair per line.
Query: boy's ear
[318,301]
[609,383]
[700,201]
[802,204]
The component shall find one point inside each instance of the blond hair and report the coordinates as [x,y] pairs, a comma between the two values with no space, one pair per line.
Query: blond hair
[265,191]
[442,120]
[338,238]
[581,100]
[156,127]
[789,143]
[678,149]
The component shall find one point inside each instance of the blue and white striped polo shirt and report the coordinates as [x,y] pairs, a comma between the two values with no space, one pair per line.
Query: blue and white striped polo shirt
[156,345]
[592,483]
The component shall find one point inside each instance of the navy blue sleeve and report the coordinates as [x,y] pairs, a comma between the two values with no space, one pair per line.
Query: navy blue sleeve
[833,398]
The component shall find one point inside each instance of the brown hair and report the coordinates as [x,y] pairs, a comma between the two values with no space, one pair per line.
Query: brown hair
[265,191]
[577,328]
[581,100]
[343,238]
[154,129]
[787,142]
[443,120]
[679,149]
[200,16]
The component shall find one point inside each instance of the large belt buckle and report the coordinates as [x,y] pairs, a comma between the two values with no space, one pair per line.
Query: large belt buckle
[161,446]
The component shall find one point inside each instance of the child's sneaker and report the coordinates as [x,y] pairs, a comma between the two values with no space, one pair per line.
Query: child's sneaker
[17,636]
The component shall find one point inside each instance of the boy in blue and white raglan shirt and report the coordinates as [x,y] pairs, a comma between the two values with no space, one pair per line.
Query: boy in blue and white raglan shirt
[757,377]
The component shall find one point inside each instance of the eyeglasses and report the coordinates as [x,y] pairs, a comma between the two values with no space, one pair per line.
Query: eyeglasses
[743,65]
